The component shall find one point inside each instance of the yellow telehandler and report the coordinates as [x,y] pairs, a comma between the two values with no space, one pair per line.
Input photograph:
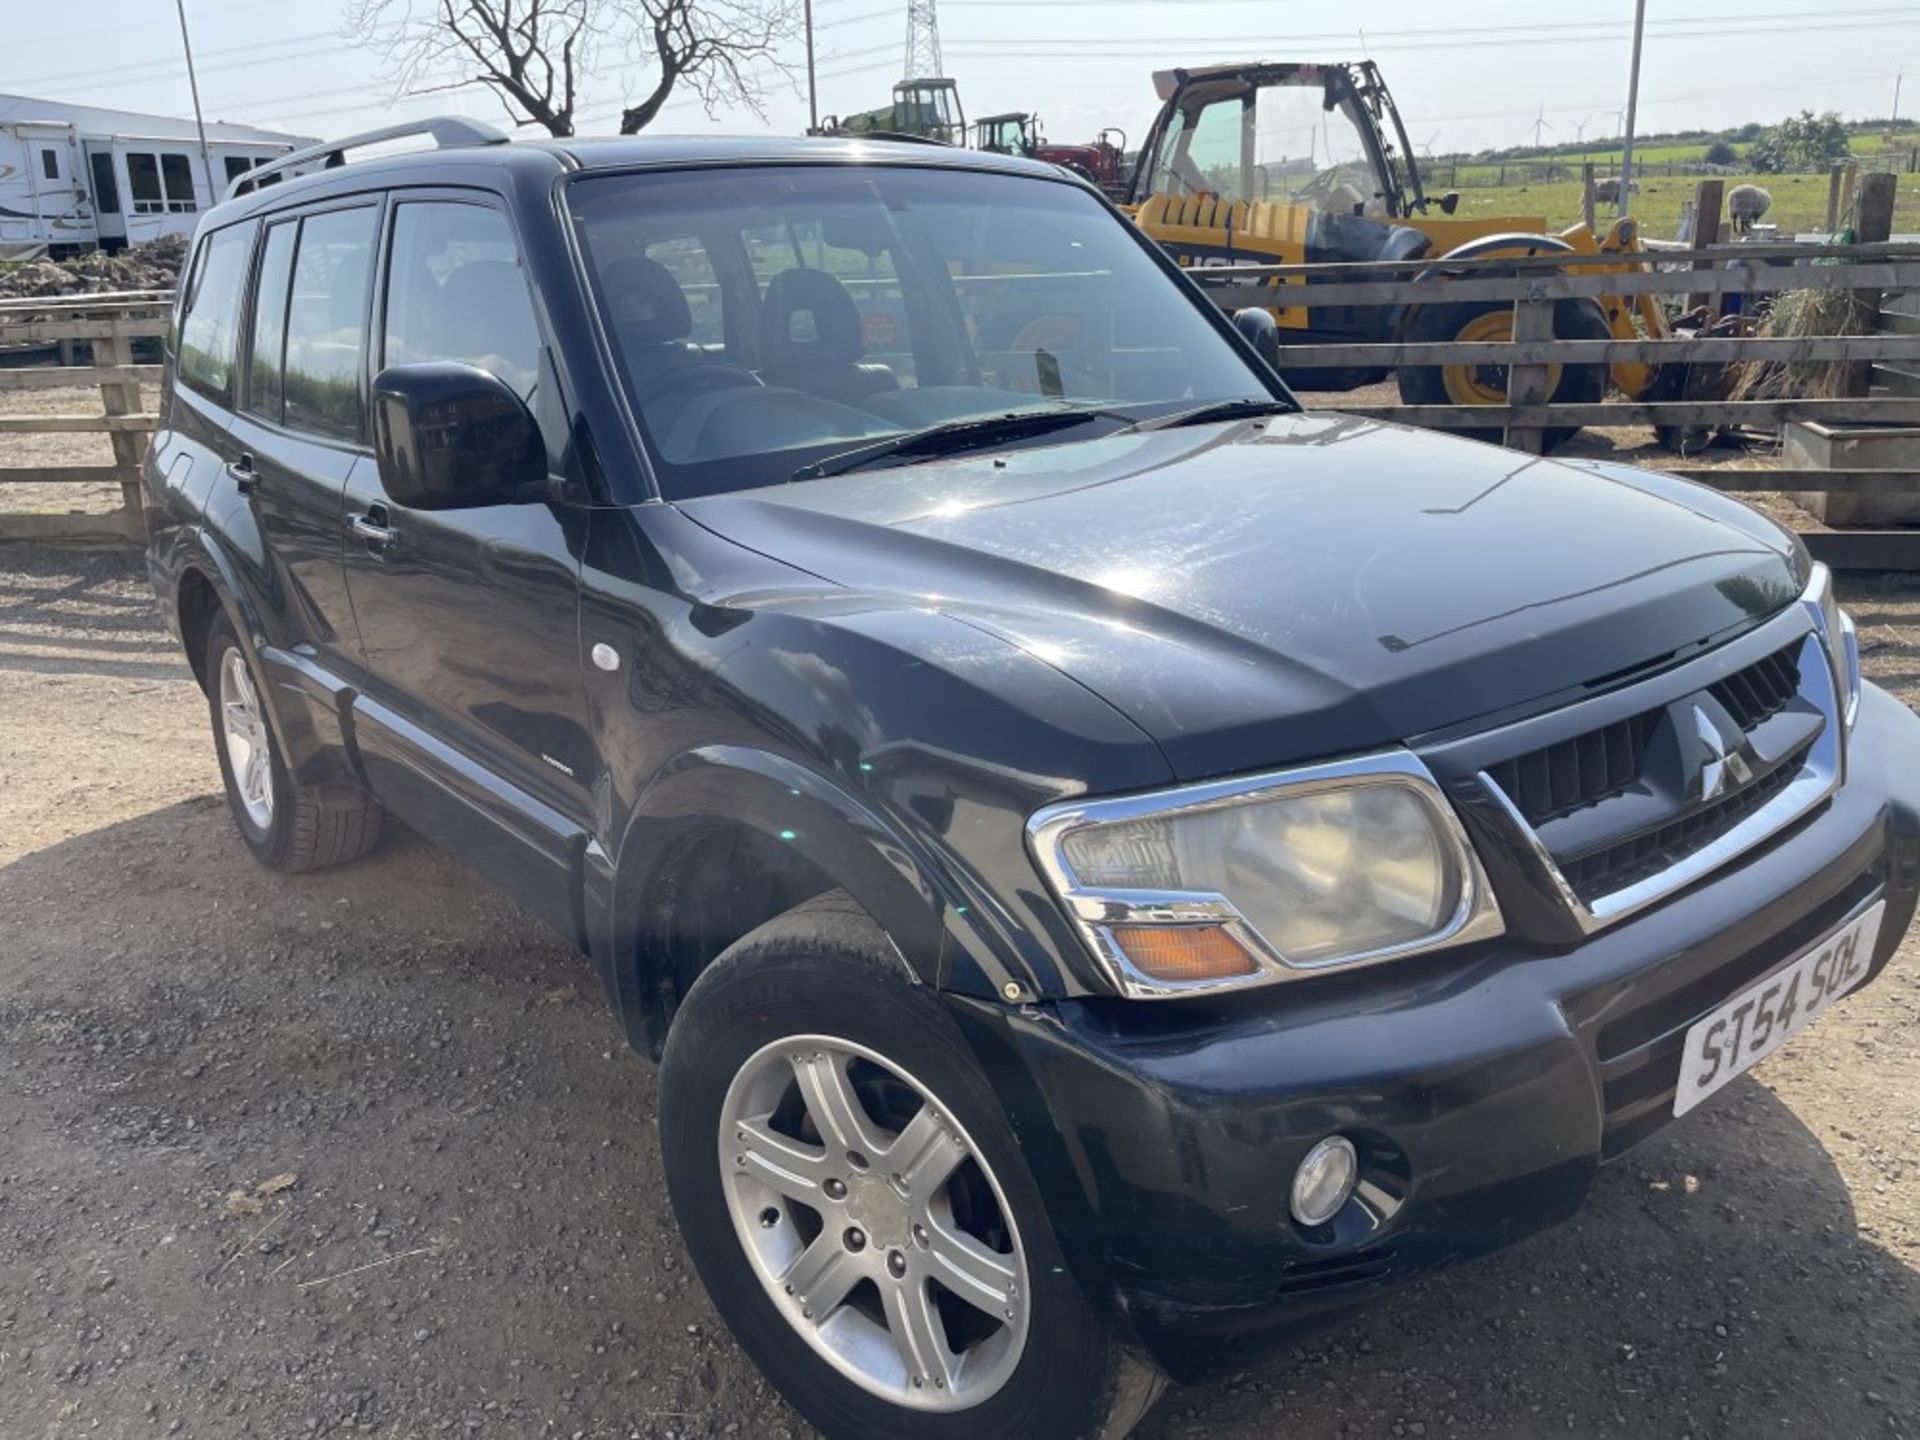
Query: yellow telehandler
[1278,163]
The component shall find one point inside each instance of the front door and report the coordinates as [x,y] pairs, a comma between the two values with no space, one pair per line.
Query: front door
[473,722]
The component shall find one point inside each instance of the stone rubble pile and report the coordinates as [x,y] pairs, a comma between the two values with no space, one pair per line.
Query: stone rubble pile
[153,266]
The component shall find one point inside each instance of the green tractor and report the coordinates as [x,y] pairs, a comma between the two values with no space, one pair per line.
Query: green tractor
[928,109]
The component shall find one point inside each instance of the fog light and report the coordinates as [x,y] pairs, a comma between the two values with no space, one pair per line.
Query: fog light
[1324,1180]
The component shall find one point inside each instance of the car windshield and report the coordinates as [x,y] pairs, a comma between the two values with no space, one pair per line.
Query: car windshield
[765,319]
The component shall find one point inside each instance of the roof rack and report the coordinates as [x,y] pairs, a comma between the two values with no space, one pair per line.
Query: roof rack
[448,132]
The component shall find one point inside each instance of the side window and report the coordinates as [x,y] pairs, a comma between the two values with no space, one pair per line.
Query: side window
[1215,149]
[326,313]
[237,165]
[455,292]
[50,164]
[177,171]
[686,258]
[143,181]
[264,390]
[210,321]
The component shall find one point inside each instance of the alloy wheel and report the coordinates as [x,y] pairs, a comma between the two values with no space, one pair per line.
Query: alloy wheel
[244,731]
[874,1222]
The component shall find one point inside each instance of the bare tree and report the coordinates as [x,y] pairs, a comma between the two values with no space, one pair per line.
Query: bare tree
[531,53]
[534,54]
[722,50]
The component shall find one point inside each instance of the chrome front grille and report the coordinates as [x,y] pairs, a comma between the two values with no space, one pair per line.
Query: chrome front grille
[1762,690]
[1558,779]
[1643,856]
[1627,797]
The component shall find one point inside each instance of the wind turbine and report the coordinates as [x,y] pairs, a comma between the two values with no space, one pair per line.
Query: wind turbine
[1580,135]
[1540,124]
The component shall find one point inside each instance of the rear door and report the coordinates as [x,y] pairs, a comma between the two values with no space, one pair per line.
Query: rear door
[191,450]
[300,429]
[473,722]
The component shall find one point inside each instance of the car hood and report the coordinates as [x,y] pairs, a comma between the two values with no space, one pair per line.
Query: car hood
[1265,592]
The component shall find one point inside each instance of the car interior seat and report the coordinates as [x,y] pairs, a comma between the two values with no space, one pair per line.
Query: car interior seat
[650,318]
[810,339]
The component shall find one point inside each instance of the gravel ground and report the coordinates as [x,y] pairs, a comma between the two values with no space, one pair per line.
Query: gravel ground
[360,1152]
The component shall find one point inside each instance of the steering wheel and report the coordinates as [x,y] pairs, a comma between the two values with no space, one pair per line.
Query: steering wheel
[697,379]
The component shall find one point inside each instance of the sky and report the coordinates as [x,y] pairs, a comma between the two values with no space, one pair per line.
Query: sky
[1467,76]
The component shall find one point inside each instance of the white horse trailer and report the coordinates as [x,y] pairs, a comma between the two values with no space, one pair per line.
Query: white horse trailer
[76,177]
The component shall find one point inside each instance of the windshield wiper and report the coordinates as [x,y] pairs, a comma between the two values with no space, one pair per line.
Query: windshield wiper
[953,437]
[1218,410]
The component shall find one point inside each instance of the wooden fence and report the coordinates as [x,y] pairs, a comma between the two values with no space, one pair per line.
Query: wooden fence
[109,324]
[1706,273]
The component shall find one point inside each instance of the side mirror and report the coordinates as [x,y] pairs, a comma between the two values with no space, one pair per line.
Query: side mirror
[1449,202]
[1258,329]
[449,436]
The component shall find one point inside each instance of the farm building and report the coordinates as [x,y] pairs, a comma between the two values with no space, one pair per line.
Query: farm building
[76,176]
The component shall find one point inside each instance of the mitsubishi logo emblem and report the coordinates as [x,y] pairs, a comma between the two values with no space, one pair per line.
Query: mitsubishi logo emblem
[1722,767]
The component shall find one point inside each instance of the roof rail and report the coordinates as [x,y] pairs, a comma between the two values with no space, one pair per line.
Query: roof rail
[898,137]
[448,132]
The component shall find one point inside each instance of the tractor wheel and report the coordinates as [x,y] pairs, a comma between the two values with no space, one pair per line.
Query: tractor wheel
[1487,384]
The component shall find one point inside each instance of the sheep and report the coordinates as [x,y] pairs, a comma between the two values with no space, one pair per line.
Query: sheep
[1746,204]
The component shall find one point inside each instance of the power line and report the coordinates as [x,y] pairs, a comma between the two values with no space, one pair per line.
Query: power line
[1576,32]
[172,69]
[835,66]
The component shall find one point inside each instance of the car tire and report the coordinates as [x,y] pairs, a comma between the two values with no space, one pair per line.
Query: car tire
[819,992]
[1465,384]
[286,826]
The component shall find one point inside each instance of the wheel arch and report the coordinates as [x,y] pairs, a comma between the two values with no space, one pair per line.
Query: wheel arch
[204,586]
[1516,244]
[728,837]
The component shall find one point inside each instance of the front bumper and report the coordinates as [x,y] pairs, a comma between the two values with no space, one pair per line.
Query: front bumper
[1484,1089]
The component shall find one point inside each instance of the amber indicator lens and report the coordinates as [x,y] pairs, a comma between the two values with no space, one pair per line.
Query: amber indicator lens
[1183,952]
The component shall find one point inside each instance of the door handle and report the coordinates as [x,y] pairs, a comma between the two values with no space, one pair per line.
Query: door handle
[240,470]
[373,528]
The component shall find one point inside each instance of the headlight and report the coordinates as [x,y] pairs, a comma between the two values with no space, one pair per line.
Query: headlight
[1251,881]
[1842,640]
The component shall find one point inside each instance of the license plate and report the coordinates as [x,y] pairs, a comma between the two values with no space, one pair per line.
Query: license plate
[1759,1020]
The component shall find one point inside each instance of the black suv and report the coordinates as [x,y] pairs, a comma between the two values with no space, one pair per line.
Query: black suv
[1111,864]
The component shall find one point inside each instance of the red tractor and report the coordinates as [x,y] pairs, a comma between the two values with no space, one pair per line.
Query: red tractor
[1018,133]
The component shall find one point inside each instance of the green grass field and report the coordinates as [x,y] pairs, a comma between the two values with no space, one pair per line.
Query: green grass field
[1799,202]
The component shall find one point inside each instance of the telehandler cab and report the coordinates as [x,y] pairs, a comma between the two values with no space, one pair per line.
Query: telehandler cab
[1252,164]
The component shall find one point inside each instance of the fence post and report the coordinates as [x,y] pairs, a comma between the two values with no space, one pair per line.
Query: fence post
[1527,384]
[1707,198]
[120,395]
[1872,225]
[1833,199]
[1586,193]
